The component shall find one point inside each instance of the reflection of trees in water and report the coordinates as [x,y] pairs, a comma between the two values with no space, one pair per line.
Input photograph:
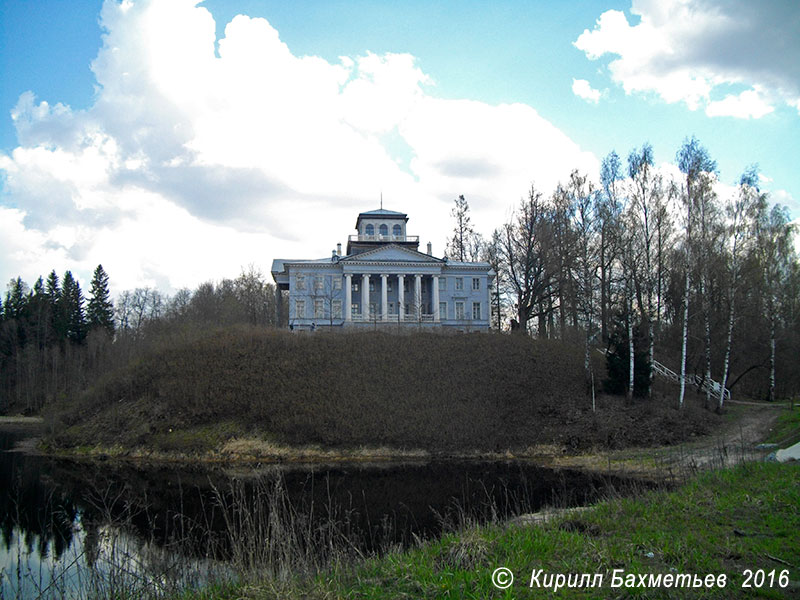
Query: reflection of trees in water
[190,511]
[42,514]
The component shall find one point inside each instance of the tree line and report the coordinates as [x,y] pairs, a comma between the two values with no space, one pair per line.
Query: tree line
[55,342]
[643,266]
[652,268]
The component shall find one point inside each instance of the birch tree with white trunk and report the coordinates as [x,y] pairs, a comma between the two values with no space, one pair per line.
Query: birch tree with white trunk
[608,208]
[645,197]
[740,214]
[696,165]
[774,252]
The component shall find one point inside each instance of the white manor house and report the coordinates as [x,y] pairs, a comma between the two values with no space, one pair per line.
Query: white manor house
[384,280]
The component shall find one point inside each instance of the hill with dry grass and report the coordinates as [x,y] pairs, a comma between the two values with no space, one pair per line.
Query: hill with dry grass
[433,392]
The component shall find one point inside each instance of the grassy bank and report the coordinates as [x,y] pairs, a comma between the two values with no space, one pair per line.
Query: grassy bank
[722,522]
[786,430]
[252,391]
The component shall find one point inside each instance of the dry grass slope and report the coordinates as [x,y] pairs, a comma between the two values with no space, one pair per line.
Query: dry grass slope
[441,393]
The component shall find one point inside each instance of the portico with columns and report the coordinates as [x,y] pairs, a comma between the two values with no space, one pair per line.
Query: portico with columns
[384,280]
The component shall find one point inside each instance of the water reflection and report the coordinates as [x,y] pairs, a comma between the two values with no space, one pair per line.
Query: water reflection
[77,524]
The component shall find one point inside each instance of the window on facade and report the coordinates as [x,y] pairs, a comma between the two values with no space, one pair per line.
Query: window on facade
[300,281]
[373,310]
[459,283]
[476,311]
[354,309]
[476,283]
[406,285]
[459,310]
[396,231]
[369,229]
[391,308]
[337,283]
[355,286]
[319,308]
[442,284]
[384,230]
[388,285]
[371,286]
[318,282]
[442,311]
[336,308]
[300,309]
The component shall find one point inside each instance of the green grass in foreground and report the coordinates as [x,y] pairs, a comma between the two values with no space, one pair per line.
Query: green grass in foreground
[721,522]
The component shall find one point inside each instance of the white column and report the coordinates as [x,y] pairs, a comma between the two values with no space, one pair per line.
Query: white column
[365,296]
[348,297]
[418,295]
[436,298]
[384,298]
[400,300]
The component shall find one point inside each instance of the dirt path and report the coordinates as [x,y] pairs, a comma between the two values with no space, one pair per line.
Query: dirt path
[734,443]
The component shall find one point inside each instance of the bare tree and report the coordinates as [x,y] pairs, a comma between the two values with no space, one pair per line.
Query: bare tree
[458,246]
[740,212]
[331,296]
[774,253]
[583,199]
[562,256]
[523,246]
[695,163]
[608,210]
[256,296]
[646,198]
[630,266]
[179,304]
[500,288]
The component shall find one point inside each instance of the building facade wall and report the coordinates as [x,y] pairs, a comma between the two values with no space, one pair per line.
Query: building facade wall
[463,296]
[385,282]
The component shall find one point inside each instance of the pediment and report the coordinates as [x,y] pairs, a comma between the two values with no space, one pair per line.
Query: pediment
[392,252]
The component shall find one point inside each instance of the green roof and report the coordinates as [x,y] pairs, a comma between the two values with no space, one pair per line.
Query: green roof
[382,212]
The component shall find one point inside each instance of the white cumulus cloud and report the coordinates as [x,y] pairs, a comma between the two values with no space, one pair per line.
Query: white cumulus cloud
[750,104]
[690,50]
[193,162]
[583,89]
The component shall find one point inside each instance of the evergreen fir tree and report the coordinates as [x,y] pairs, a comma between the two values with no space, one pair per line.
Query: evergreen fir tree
[15,299]
[39,318]
[71,316]
[100,310]
[53,291]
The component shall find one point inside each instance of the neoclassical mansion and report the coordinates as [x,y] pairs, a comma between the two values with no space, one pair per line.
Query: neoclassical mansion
[384,280]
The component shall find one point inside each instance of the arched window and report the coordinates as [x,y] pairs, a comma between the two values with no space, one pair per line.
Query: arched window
[369,229]
[384,230]
[396,232]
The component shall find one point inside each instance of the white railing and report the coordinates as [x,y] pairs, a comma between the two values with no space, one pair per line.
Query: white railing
[701,383]
[362,237]
[392,318]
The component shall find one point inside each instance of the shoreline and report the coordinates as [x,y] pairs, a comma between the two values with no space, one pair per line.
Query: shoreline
[735,442]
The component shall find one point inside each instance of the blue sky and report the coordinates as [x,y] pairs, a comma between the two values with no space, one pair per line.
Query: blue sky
[137,149]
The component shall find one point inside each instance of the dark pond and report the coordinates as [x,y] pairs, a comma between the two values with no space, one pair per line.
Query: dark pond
[68,526]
